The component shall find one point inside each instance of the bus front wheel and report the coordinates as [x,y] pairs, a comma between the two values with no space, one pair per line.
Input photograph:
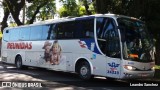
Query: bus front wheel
[84,71]
[18,62]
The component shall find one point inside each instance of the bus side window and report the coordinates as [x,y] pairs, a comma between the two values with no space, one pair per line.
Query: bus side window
[65,30]
[60,31]
[89,28]
[79,30]
[6,35]
[24,33]
[84,28]
[36,32]
[45,31]
[49,31]
[53,29]
[14,34]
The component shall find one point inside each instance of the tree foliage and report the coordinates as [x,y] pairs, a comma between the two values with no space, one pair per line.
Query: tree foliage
[69,8]
[44,7]
[73,8]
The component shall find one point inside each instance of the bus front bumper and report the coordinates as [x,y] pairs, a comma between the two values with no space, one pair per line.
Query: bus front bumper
[137,74]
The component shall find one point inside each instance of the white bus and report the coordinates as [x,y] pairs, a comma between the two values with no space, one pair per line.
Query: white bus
[113,46]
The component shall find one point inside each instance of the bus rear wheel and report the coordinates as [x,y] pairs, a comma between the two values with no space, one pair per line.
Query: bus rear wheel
[84,71]
[18,62]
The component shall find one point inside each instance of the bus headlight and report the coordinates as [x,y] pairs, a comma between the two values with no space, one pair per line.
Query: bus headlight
[153,68]
[129,67]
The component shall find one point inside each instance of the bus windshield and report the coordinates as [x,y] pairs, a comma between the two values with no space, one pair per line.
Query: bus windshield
[137,44]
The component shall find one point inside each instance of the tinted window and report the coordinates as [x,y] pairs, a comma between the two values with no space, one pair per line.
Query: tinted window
[84,28]
[66,30]
[103,26]
[24,33]
[36,33]
[81,28]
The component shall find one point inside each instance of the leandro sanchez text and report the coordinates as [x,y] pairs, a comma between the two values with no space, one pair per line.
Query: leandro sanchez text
[144,84]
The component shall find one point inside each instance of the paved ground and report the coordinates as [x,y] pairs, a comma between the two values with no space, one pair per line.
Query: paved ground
[65,81]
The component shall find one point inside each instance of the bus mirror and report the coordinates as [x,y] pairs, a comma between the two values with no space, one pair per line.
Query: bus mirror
[7,31]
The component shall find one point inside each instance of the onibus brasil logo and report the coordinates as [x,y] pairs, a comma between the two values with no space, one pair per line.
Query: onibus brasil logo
[113,68]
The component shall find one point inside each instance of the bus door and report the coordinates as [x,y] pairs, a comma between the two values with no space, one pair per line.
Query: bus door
[109,44]
[113,54]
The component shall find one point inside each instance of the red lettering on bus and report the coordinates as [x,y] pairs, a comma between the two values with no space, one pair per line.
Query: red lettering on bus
[11,46]
[17,46]
[8,45]
[20,45]
[30,45]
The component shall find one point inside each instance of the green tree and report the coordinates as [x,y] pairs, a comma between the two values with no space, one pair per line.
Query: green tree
[86,4]
[15,6]
[69,8]
[82,10]
[44,8]
[63,12]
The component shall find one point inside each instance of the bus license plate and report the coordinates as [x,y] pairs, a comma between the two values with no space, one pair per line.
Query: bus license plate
[144,74]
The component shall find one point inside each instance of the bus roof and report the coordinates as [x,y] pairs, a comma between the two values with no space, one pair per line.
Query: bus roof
[70,18]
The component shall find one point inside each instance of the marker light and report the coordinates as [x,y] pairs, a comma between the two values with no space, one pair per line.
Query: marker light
[133,55]
[129,67]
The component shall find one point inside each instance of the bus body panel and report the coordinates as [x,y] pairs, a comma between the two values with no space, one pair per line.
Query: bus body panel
[34,53]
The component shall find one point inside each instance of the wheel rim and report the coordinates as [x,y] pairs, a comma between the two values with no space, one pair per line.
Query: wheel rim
[83,71]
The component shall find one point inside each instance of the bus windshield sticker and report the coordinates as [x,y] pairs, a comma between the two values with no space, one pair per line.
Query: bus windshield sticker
[93,56]
[92,46]
[83,44]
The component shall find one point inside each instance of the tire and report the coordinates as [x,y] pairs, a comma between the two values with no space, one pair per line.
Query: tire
[18,62]
[84,71]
